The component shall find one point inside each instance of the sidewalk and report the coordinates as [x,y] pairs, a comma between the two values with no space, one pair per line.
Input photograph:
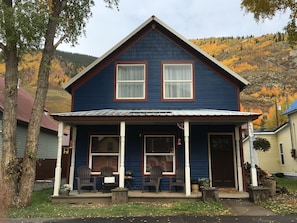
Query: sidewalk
[243,207]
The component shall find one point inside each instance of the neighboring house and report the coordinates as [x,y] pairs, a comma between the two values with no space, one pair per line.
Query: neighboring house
[281,157]
[48,141]
[157,99]
[277,158]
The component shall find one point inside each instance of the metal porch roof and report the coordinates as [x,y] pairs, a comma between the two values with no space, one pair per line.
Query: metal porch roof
[155,114]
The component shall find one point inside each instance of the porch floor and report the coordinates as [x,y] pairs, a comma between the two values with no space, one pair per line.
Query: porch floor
[137,196]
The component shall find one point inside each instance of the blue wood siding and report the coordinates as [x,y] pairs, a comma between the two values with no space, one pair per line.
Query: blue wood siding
[211,89]
[134,147]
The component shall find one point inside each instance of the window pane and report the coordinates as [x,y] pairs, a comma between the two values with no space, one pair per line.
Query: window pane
[130,90]
[105,144]
[159,144]
[165,162]
[178,90]
[100,161]
[281,148]
[130,72]
[178,72]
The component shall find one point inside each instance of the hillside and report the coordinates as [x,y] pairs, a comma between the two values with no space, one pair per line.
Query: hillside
[267,62]
[64,66]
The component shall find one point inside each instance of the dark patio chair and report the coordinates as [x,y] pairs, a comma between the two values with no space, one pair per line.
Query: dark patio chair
[178,180]
[84,178]
[109,180]
[154,179]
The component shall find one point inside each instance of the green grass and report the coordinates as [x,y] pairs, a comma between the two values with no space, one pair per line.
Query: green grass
[289,183]
[284,204]
[42,207]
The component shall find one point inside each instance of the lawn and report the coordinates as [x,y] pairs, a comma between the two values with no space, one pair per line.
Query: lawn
[42,207]
[284,204]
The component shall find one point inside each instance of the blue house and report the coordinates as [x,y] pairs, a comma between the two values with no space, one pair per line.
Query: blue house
[157,99]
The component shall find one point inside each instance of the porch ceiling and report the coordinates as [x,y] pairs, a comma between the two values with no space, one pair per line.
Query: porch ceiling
[155,116]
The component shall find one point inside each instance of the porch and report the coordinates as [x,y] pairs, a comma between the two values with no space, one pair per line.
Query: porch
[101,138]
[86,197]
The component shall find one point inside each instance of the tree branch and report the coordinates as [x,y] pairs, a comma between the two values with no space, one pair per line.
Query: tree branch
[59,41]
[2,46]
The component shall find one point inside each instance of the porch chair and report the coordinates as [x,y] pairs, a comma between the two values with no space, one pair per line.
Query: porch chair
[154,179]
[178,180]
[84,178]
[108,181]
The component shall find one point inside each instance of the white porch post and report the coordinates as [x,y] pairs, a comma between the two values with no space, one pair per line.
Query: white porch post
[58,169]
[71,174]
[238,159]
[254,179]
[122,154]
[187,158]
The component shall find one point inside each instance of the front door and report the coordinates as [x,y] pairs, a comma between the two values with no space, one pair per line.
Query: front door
[222,160]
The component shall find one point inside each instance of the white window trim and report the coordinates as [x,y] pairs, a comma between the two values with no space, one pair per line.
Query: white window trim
[178,81]
[130,81]
[173,154]
[102,154]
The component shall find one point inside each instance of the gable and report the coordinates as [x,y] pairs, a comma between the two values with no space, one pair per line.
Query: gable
[153,50]
[153,24]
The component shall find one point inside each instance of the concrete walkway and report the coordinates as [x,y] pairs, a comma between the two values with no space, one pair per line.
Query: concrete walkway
[244,207]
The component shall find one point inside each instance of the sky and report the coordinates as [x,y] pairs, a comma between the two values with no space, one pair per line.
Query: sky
[193,19]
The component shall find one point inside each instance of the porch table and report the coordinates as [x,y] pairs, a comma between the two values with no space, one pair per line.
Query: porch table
[128,182]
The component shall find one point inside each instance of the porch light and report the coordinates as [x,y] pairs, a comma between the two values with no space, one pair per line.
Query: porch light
[179,142]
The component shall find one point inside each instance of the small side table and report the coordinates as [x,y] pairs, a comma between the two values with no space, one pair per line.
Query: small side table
[128,182]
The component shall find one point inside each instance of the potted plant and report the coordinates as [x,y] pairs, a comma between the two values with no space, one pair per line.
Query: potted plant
[65,189]
[129,173]
[194,185]
[203,183]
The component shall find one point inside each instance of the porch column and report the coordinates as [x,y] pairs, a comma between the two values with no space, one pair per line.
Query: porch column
[254,179]
[238,159]
[122,154]
[187,159]
[73,143]
[58,169]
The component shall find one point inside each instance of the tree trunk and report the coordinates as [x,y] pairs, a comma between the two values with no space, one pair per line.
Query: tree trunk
[9,163]
[30,155]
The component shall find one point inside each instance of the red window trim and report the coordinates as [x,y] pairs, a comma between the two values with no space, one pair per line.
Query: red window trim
[193,81]
[145,82]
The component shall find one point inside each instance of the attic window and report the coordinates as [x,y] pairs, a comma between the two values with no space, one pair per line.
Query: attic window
[178,81]
[130,81]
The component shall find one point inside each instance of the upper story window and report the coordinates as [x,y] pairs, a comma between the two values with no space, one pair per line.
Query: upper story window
[130,81]
[178,80]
